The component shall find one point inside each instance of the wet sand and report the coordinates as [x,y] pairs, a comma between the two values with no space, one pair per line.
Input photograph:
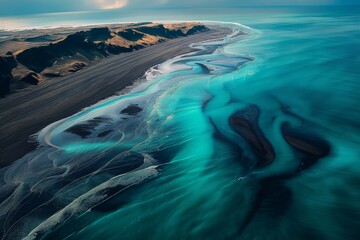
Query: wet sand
[27,112]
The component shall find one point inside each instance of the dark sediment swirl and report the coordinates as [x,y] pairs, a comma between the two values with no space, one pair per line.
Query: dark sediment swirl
[245,123]
[86,128]
[132,109]
[273,197]
[309,144]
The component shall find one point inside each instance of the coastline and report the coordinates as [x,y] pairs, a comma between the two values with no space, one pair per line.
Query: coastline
[26,112]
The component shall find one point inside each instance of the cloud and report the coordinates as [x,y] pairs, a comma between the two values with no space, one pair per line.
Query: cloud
[110,4]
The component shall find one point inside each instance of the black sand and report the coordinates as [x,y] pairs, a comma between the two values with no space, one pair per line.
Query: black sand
[25,113]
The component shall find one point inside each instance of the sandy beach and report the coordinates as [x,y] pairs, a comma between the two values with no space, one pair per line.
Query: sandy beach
[26,112]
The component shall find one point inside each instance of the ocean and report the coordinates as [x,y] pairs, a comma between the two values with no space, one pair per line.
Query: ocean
[254,136]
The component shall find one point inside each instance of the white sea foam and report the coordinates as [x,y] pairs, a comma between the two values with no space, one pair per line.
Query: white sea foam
[93,198]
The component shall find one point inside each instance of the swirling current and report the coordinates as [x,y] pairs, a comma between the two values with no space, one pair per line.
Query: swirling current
[248,137]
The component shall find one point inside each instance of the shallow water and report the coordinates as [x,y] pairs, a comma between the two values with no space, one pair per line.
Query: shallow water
[254,136]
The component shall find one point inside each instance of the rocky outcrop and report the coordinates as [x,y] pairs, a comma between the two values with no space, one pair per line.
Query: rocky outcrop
[7,64]
[195,29]
[89,44]
[161,31]
[31,78]
[131,34]
[76,66]
[76,50]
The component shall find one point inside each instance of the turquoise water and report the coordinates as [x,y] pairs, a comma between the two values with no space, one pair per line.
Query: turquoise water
[254,136]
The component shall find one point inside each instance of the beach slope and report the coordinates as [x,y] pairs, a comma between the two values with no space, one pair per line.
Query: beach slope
[28,111]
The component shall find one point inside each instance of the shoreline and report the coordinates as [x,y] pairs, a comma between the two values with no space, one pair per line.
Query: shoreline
[26,112]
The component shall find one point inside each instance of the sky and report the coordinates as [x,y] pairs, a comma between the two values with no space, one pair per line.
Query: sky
[18,7]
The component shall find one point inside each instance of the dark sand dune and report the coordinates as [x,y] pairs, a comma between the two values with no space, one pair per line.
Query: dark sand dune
[27,112]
